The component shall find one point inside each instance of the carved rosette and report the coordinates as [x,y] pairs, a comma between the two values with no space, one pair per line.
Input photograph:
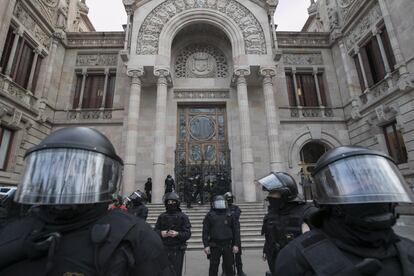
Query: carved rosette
[149,33]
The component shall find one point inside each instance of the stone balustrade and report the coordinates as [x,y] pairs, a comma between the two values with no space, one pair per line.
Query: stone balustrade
[311,112]
[17,93]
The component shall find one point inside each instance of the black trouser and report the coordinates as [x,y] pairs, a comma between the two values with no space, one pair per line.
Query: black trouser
[218,250]
[271,261]
[238,260]
[199,192]
[148,196]
[188,197]
[176,257]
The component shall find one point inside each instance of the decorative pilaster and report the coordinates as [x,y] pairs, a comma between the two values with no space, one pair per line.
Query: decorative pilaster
[49,68]
[159,141]
[249,189]
[364,74]
[318,88]
[128,27]
[272,119]
[84,75]
[349,81]
[130,159]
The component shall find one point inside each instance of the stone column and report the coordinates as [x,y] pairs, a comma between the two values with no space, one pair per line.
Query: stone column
[18,33]
[37,52]
[105,88]
[159,140]
[272,119]
[295,86]
[361,64]
[130,159]
[249,189]
[84,75]
[318,89]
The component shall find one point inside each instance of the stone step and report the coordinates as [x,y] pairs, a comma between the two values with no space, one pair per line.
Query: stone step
[244,234]
[197,213]
[199,220]
[245,245]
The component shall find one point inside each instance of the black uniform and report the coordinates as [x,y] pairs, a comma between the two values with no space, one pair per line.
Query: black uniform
[199,189]
[169,185]
[280,226]
[148,190]
[315,253]
[236,212]
[175,247]
[140,211]
[96,242]
[221,231]
[188,191]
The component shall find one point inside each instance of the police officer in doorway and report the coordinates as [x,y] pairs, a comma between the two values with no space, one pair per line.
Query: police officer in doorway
[221,236]
[236,212]
[71,176]
[286,215]
[148,189]
[169,184]
[136,204]
[356,189]
[199,182]
[175,229]
[188,191]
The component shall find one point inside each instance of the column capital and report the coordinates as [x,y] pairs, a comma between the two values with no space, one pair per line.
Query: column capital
[270,71]
[356,50]
[106,71]
[161,72]
[37,51]
[84,71]
[315,70]
[135,75]
[18,31]
[242,71]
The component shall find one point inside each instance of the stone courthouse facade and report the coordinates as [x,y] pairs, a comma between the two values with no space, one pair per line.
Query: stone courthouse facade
[210,84]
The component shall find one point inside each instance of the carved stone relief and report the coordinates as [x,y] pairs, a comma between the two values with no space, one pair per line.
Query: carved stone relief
[31,25]
[47,8]
[362,26]
[201,95]
[201,61]
[100,59]
[149,33]
[303,59]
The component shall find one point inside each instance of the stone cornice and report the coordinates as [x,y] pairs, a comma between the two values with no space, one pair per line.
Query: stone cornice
[96,40]
[303,39]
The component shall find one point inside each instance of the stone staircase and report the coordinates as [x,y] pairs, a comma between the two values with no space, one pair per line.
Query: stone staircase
[251,221]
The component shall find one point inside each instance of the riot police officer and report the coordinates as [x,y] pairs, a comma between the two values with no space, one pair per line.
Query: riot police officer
[221,236]
[71,176]
[169,184]
[136,204]
[148,189]
[356,189]
[188,191]
[199,183]
[175,229]
[285,217]
[236,212]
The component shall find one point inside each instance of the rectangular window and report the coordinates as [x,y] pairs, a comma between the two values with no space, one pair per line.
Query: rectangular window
[395,143]
[291,89]
[307,90]
[373,63]
[7,50]
[6,136]
[94,91]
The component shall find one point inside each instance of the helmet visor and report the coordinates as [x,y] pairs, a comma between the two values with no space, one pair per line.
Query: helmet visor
[360,179]
[220,204]
[68,176]
[270,182]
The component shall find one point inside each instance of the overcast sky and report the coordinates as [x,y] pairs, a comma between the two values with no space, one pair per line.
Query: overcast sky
[109,15]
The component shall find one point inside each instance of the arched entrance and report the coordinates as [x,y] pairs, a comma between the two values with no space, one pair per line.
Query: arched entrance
[309,156]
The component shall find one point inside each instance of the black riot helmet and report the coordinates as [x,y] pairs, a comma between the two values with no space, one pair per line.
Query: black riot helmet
[137,198]
[280,182]
[356,175]
[219,203]
[172,196]
[229,197]
[71,166]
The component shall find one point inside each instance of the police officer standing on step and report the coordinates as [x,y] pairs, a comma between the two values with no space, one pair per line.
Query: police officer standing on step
[175,229]
[356,189]
[188,191]
[71,176]
[221,236]
[169,184]
[236,212]
[148,189]
[136,204]
[285,218]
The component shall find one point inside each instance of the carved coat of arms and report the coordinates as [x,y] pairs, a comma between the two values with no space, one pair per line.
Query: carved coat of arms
[201,65]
